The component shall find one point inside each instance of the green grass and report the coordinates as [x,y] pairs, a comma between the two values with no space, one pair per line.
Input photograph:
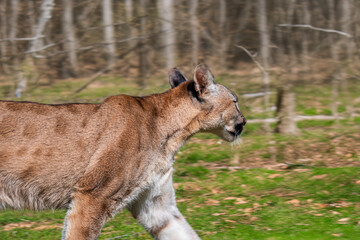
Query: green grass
[292,205]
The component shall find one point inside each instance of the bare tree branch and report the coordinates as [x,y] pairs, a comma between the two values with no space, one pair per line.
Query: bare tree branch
[317,29]
[21,39]
[94,77]
[254,95]
[297,118]
[253,58]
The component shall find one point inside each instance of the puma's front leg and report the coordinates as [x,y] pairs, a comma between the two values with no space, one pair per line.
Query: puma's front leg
[85,217]
[156,210]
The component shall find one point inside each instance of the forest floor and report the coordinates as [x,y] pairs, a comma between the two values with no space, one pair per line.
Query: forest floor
[269,186]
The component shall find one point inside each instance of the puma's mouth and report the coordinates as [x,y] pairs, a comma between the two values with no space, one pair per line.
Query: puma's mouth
[238,130]
[231,133]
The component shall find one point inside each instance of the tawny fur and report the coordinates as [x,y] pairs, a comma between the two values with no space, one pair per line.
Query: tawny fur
[96,159]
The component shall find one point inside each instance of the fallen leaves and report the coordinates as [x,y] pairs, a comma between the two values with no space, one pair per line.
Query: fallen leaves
[294,202]
[238,200]
[248,210]
[212,202]
[230,221]
[343,221]
[317,177]
[276,175]
[337,234]
[217,214]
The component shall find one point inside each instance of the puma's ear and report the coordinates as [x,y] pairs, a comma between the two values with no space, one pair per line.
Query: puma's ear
[203,78]
[176,77]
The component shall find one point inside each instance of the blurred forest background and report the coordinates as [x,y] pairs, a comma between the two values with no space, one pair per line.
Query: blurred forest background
[53,40]
[295,65]
[290,41]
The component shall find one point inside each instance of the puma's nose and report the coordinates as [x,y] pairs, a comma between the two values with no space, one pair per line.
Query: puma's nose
[239,128]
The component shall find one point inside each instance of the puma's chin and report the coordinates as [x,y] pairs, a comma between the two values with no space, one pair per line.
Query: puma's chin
[226,135]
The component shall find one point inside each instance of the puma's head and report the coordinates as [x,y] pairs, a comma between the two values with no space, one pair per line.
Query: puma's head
[219,106]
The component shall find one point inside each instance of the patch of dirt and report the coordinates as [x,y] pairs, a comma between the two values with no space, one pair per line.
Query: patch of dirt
[11,226]
[51,226]
[32,225]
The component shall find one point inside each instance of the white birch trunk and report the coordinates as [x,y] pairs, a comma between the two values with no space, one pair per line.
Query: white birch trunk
[335,57]
[286,111]
[264,44]
[37,42]
[46,9]
[70,40]
[166,14]
[143,49]
[129,18]
[194,31]
[107,15]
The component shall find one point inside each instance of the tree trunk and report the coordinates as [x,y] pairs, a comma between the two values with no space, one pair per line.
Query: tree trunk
[357,30]
[166,14]
[31,16]
[13,21]
[3,32]
[89,8]
[107,15]
[291,38]
[305,41]
[46,8]
[243,20]
[280,50]
[129,18]
[286,111]
[264,49]
[346,21]
[37,42]
[70,41]
[223,37]
[194,31]
[334,55]
[263,34]
[143,48]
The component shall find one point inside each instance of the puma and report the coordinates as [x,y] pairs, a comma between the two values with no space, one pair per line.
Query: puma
[97,159]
